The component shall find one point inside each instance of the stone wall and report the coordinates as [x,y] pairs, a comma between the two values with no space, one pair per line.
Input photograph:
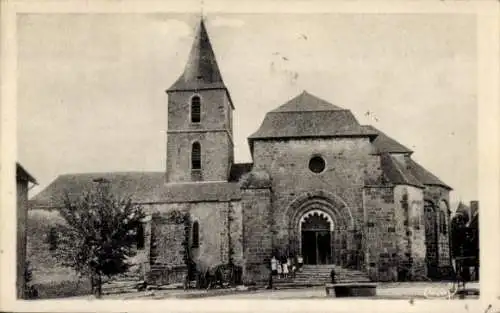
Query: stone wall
[439,198]
[214,229]
[212,218]
[257,234]
[381,254]
[411,232]
[168,240]
[216,151]
[214,110]
[235,215]
[287,162]
[214,133]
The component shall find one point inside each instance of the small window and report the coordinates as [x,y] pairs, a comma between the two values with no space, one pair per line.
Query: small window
[195,109]
[196,156]
[196,235]
[140,236]
[52,238]
[317,164]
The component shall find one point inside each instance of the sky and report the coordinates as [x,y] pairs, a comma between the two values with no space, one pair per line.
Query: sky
[91,87]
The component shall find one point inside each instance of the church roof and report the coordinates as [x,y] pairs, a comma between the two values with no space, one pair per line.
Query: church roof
[137,185]
[424,176]
[396,171]
[386,144]
[142,187]
[308,116]
[201,70]
[306,102]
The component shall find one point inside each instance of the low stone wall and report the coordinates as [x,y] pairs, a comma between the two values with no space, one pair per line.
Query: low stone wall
[163,275]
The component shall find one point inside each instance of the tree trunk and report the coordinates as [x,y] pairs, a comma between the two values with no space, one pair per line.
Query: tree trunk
[96,283]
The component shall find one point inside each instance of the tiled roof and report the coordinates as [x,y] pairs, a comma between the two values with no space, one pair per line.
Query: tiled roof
[137,185]
[396,172]
[201,71]
[22,174]
[238,170]
[309,116]
[384,143]
[142,187]
[197,192]
[424,176]
[306,102]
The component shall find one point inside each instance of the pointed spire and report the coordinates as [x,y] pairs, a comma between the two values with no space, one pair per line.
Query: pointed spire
[201,71]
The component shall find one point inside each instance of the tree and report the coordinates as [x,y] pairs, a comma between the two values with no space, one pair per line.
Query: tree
[458,235]
[99,234]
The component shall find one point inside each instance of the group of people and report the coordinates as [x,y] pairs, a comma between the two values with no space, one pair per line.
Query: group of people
[284,266]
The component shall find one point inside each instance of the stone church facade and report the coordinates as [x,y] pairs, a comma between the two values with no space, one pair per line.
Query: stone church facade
[321,185]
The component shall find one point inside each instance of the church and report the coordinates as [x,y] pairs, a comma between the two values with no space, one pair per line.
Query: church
[320,186]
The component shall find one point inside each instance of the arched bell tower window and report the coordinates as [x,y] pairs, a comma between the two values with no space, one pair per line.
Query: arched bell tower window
[196,156]
[195,109]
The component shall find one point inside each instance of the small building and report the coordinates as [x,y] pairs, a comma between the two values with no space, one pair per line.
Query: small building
[23,181]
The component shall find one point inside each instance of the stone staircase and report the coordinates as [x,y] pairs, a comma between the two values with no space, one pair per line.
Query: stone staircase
[319,275]
[130,281]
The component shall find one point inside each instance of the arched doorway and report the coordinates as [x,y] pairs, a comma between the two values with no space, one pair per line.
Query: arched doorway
[316,230]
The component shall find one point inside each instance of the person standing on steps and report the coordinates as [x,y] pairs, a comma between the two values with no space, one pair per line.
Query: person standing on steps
[300,260]
[274,265]
[285,268]
[332,275]
[272,273]
[279,268]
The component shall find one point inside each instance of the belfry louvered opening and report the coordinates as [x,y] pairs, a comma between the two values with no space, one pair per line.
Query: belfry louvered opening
[195,109]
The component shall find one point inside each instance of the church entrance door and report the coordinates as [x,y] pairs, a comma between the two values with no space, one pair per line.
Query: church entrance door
[316,239]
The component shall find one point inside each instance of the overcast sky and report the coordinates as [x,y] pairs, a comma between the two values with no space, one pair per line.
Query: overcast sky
[91,87]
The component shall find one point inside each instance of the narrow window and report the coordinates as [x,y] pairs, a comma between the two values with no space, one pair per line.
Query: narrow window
[196,156]
[140,236]
[442,219]
[195,109]
[196,235]
[52,238]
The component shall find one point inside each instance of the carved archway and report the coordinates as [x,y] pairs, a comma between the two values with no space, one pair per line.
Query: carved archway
[328,202]
[321,214]
[335,212]
[316,230]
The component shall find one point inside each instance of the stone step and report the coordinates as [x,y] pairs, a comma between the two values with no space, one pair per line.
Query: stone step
[115,287]
[320,275]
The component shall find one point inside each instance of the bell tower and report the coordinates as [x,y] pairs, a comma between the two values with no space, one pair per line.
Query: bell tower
[200,112]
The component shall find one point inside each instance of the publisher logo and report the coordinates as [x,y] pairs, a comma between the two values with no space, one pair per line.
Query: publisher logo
[439,293]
